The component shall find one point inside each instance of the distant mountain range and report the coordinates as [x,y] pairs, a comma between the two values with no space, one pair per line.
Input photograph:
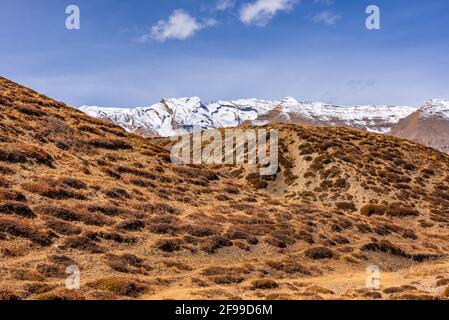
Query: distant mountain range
[428,125]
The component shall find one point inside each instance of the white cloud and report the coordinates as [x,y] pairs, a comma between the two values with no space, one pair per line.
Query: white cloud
[326,17]
[261,12]
[180,25]
[223,5]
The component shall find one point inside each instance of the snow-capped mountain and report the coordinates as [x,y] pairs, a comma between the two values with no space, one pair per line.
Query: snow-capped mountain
[177,116]
[429,125]
[436,108]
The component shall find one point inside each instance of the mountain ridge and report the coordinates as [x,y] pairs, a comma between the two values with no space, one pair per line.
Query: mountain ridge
[168,116]
[173,117]
[428,125]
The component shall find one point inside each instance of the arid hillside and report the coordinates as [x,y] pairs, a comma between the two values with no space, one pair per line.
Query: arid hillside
[428,126]
[346,169]
[77,191]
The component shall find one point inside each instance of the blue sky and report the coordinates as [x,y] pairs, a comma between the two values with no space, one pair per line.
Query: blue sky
[133,53]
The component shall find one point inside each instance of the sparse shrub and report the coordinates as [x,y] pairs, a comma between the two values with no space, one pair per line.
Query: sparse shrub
[111,173]
[61,133]
[117,193]
[73,183]
[400,211]
[254,179]
[93,219]
[169,245]
[143,183]
[227,279]
[11,195]
[319,290]
[235,234]
[62,227]
[346,206]
[264,284]
[56,268]
[308,195]
[20,228]
[131,225]
[319,253]
[178,265]
[409,234]
[25,153]
[363,228]
[279,239]
[57,212]
[12,156]
[7,170]
[166,208]
[30,110]
[212,244]
[164,228]
[17,208]
[319,162]
[59,295]
[326,184]
[341,183]
[111,236]
[126,263]
[409,166]
[108,210]
[90,129]
[373,209]
[288,266]
[222,197]
[37,288]
[52,190]
[82,243]
[309,175]
[136,172]
[428,171]
[199,231]
[386,247]
[305,236]
[8,295]
[232,190]
[110,144]
[120,286]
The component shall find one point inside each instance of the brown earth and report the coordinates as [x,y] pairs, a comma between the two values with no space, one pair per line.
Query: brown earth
[432,132]
[80,191]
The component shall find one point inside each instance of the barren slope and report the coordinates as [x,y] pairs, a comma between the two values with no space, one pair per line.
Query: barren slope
[428,126]
[79,191]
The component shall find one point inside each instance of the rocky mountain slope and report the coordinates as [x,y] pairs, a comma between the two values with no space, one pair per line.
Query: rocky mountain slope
[428,126]
[79,191]
[179,116]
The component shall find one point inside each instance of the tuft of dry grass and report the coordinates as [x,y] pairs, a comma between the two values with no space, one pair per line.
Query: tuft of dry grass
[319,253]
[264,284]
[16,208]
[26,230]
[120,286]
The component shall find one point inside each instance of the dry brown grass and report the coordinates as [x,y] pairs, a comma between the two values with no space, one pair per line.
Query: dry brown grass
[120,286]
[79,190]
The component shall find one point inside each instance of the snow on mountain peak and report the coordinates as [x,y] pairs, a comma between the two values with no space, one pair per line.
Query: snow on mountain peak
[289,100]
[438,108]
[183,115]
